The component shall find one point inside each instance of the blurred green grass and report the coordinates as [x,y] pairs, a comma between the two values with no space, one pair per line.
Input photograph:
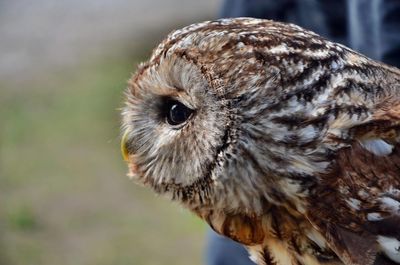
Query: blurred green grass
[64,196]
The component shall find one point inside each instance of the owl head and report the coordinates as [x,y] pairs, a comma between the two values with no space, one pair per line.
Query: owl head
[213,117]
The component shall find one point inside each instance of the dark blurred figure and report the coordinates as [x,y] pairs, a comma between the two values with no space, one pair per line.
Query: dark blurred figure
[371,27]
[224,251]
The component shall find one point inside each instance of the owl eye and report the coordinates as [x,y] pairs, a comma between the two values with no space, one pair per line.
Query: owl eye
[176,112]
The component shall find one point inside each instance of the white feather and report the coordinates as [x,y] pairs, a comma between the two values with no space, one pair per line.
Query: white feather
[377,146]
[392,204]
[373,217]
[391,247]
[354,203]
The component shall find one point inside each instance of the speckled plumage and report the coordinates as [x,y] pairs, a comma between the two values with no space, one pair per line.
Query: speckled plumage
[292,148]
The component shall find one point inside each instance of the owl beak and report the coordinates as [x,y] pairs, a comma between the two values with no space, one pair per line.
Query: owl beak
[124,149]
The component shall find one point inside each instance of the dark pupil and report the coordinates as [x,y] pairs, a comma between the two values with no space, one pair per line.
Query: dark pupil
[178,113]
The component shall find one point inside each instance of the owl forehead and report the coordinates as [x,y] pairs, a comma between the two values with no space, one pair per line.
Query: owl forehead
[174,78]
[243,52]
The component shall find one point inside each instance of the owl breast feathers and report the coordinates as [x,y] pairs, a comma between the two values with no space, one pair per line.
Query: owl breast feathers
[276,137]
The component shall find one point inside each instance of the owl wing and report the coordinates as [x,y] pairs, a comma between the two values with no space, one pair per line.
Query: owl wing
[357,204]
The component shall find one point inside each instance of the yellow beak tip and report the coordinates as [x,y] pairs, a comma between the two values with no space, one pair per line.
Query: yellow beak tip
[124,149]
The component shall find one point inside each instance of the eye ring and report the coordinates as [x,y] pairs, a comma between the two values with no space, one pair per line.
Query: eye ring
[176,113]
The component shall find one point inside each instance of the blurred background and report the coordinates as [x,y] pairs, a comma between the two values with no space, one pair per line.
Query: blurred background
[64,196]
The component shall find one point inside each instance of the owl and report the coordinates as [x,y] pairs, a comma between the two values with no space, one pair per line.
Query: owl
[276,137]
